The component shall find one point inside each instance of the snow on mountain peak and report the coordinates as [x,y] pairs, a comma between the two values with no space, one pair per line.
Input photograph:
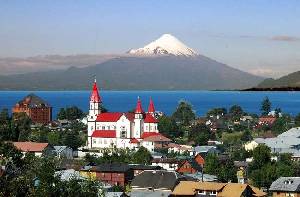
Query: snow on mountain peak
[165,45]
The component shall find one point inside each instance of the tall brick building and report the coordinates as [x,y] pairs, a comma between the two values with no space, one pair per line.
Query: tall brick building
[36,108]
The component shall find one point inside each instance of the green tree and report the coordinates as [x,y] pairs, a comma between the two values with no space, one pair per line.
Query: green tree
[72,139]
[297,120]
[261,156]
[281,125]
[227,172]
[265,106]
[236,112]
[142,156]
[184,113]
[216,112]
[211,164]
[200,134]
[61,115]
[5,125]
[21,126]
[168,126]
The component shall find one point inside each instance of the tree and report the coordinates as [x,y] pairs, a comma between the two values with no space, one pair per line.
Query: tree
[236,112]
[72,139]
[265,106]
[200,134]
[211,164]
[261,156]
[142,156]
[21,124]
[61,115]
[281,124]
[184,113]
[216,112]
[168,126]
[226,172]
[297,120]
[5,123]
[70,113]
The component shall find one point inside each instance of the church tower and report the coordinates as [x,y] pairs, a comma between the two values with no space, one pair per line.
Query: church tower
[138,120]
[94,110]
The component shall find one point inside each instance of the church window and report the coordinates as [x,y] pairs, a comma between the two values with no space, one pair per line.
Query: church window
[155,128]
[150,128]
[103,127]
[92,127]
[94,141]
[146,128]
[108,127]
[98,128]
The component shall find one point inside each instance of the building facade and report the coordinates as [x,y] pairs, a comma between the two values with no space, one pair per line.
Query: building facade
[122,129]
[36,108]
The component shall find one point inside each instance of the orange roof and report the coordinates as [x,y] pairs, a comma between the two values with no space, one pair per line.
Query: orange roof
[189,188]
[30,146]
[157,138]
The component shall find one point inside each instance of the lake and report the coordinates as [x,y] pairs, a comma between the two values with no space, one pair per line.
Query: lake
[165,101]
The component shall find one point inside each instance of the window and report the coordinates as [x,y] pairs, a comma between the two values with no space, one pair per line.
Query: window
[146,128]
[104,141]
[103,127]
[123,134]
[108,127]
[201,192]
[94,141]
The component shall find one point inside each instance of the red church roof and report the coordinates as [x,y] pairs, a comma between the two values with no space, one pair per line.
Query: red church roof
[95,97]
[150,119]
[109,117]
[104,133]
[134,141]
[148,134]
[139,108]
[151,108]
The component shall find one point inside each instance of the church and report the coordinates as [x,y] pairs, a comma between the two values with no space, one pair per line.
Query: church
[123,129]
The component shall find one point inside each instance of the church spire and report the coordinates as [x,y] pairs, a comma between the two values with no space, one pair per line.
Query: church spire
[139,109]
[95,97]
[151,108]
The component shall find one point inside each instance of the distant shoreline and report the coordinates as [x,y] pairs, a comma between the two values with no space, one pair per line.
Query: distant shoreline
[274,89]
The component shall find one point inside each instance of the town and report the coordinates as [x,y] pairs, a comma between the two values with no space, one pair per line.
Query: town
[143,152]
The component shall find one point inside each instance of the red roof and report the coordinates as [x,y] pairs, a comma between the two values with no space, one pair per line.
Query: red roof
[267,119]
[151,108]
[109,117]
[148,134]
[157,138]
[30,146]
[130,116]
[95,94]
[139,108]
[134,141]
[150,119]
[104,133]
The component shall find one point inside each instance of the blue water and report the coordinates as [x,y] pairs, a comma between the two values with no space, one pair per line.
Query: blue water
[165,101]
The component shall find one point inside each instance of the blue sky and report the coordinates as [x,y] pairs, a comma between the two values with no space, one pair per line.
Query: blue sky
[259,36]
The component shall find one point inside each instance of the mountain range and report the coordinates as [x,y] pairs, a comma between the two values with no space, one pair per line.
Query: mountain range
[291,80]
[164,64]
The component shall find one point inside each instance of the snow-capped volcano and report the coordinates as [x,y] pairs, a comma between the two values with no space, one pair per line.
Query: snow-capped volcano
[165,45]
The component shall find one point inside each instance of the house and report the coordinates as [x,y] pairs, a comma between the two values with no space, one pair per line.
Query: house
[286,186]
[111,173]
[287,142]
[38,110]
[63,152]
[205,189]
[192,165]
[266,121]
[34,147]
[205,150]
[166,163]
[179,148]
[67,175]
[122,129]
[155,183]
[139,168]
